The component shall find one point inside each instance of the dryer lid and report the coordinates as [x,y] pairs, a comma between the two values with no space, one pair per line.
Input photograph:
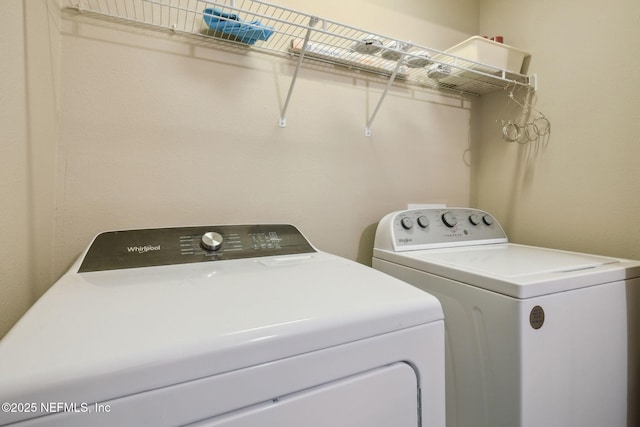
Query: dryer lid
[104,334]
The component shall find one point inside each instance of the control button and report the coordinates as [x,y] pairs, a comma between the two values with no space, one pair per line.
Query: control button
[449,219]
[487,219]
[407,223]
[474,219]
[211,241]
[423,221]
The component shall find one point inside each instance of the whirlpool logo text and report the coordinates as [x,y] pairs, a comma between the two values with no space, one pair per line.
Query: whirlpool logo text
[143,249]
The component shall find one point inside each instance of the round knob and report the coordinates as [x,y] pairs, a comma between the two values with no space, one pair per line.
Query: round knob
[488,219]
[407,223]
[474,219]
[211,241]
[423,221]
[449,219]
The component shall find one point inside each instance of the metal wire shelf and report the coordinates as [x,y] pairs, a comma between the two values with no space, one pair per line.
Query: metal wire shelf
[263,27]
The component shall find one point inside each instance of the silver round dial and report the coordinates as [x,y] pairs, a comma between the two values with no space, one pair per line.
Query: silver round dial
[474,219]
[488,219]
[423,221]
[211,241]
[449,219]
[407,223]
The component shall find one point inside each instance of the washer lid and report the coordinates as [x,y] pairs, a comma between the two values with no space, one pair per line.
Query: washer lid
[99,335]
[517,270]
[516,262]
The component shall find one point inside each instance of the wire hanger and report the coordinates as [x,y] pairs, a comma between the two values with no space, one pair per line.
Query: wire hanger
[529,131]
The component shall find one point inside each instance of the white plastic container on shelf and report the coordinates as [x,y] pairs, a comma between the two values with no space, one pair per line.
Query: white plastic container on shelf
[494,54]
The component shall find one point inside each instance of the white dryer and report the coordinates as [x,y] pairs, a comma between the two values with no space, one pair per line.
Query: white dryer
[235,325]
[534,336]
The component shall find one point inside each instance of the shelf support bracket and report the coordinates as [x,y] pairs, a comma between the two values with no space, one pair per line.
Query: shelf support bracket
[313,21]
[367,129]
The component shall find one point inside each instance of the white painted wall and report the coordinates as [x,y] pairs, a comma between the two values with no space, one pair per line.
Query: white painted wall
[581,189]
[151,130]
[29,43]
[125,128]
[14,187]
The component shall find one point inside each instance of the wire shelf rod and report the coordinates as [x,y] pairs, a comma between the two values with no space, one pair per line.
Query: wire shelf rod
[292,36]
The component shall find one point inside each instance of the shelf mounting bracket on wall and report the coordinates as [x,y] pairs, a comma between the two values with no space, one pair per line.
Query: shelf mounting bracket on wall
[313,21]
[367,129]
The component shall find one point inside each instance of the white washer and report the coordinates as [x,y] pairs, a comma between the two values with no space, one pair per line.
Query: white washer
[238,325]
[534,336]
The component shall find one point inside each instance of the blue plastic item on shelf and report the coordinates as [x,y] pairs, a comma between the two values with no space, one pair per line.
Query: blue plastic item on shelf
[230,23]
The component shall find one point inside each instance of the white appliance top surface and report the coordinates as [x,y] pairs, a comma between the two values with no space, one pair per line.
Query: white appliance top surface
[103,334]
[516,270]
[513,261]
[470,246]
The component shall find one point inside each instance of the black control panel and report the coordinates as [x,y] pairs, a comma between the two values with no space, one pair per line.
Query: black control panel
[116,250]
